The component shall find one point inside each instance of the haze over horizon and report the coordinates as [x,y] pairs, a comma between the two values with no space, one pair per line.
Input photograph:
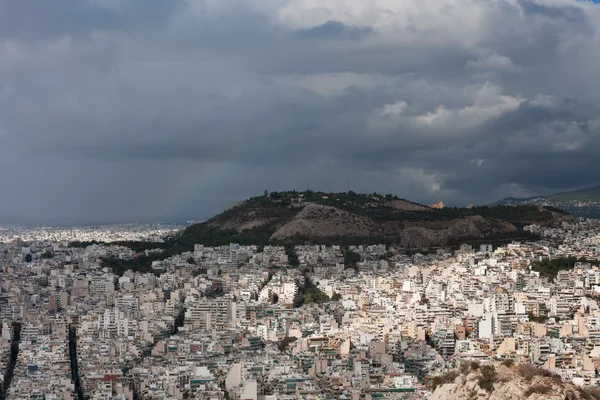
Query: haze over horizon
[162,110]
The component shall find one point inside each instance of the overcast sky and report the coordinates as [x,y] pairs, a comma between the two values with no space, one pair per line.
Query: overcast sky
[145,110]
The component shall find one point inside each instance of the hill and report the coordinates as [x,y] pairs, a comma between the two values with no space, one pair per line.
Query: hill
[349,218]
[583,203]
[289,218]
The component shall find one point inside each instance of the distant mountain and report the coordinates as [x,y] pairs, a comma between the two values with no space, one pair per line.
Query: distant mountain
[585,195]
[579,203]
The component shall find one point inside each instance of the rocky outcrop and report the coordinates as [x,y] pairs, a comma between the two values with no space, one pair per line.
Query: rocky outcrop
[511,383]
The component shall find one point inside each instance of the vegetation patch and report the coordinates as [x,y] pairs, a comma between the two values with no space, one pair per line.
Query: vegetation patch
[285,343]
[351,259]
[539,319]
[551,268]
[589,393]
[336,297]
[488,377]
[528,372]
[508,363]
[308,293]
[537,389]
[448,377]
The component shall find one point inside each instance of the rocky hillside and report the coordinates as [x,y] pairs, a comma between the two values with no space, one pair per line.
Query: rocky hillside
[290,218]
[507,382]
[315,220]
[348,218]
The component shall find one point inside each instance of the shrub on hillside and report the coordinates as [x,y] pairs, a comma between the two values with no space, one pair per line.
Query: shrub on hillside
[528,371]
[488,377]
[589,393]
[508,363]
[537,389]
[465,368]
[448,377]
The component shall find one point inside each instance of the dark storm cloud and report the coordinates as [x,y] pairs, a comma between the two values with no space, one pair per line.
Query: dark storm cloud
[121,110]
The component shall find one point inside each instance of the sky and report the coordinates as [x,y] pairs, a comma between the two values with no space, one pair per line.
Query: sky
[159,110]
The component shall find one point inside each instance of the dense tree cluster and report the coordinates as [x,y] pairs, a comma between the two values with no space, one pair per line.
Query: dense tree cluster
[351,259]
[308,293]
[539,319]
[336,297]
[142,264]
[285,343]
[179,320]
[292,256]
[550,268]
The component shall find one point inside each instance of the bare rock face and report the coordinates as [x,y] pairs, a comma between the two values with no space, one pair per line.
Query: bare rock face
[511,383]
[468,227]
[324,221]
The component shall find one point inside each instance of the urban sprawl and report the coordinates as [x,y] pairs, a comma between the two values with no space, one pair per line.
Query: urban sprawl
[295,322]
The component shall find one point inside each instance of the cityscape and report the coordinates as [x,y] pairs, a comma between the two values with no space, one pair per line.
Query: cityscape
[281,322]
[299,200]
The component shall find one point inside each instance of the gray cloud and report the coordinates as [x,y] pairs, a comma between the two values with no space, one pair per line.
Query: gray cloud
[115,110]
[33,20]
[334,30]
